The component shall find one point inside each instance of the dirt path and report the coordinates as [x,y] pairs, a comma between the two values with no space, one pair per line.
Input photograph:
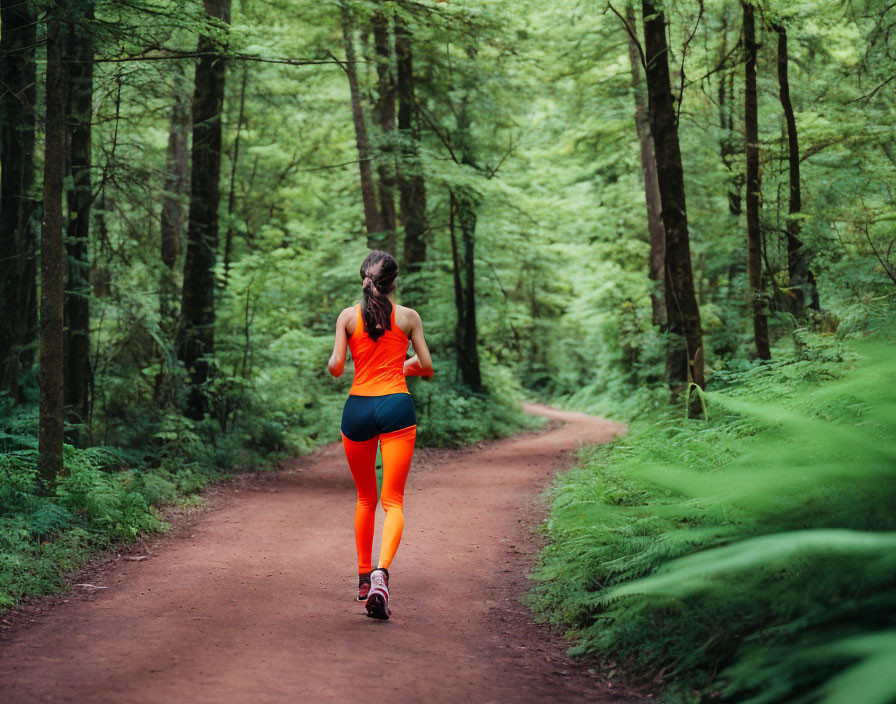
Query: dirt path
[253,602]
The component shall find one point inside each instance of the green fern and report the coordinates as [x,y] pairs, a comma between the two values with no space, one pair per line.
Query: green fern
[728,546]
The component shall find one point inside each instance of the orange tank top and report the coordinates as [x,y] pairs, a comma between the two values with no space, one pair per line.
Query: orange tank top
[379,366]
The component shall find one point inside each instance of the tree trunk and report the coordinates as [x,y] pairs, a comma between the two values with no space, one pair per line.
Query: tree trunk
[798,258]
[466,211]
[234,161]
[385,112]
[372,219]
[729,145]
[177,161]
[684,351]
[411,183]
[754,186]
[463,206]
[18,266]
[651,183]
[173,224]
[197,331]
[78,59]
[52,273]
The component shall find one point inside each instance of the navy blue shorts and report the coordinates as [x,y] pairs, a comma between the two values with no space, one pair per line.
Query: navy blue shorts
[365,417]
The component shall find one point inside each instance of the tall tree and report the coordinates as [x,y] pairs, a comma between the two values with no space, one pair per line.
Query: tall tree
[385,113]
[372,220]
[463,205]
[177,180]
[78,61]
[651,182]
[197,330]
[754,185]
[18,272]
[234,163]
[411,184]
[52,270]
[729,143]
[802,281]
[684,351]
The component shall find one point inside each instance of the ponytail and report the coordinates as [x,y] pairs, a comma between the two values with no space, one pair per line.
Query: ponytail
[378,274]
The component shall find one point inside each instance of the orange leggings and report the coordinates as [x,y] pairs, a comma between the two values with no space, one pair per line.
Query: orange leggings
[398,449]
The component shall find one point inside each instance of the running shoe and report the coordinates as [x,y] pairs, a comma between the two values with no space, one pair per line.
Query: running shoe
[378,599]
[363,585]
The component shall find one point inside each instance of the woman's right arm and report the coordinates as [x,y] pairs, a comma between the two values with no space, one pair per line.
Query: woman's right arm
[421,363]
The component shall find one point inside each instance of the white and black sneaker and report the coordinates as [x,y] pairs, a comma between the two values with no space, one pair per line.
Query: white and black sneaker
[378,598]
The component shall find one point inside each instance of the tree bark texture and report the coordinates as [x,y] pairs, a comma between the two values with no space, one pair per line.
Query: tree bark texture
[685,346]
[18,267]
[798,257]
[754,185]
[651,184]
[385,112]
[372,220]
[78,60]
[411,183]
[463,205]
[52,264]
[197,330]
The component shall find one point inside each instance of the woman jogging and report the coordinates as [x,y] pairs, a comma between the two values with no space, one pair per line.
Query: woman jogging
[379,409]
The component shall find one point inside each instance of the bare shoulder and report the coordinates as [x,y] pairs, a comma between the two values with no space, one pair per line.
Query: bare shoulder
[347,319]
[407,318]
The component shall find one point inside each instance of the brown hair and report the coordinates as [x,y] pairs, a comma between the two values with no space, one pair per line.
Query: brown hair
[378,274]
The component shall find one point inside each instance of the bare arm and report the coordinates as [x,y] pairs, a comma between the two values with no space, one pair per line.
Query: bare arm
[336,365]
[421,363]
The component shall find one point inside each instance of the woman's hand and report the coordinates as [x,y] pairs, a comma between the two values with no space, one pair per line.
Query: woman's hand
[413,367]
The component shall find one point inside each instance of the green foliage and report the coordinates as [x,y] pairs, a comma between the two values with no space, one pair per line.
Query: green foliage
[450,415]
[43,537]
[758,543]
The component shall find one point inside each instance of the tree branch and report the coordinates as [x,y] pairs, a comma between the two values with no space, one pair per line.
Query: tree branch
[631,33]
[173,56]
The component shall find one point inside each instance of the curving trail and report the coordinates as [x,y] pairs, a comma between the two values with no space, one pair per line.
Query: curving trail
[252,601]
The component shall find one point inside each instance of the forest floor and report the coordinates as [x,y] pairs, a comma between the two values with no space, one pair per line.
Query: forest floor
[252,598]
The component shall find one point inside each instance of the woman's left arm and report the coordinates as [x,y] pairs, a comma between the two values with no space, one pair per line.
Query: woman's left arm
[336,365]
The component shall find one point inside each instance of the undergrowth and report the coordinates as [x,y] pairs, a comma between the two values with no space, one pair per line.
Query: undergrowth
[96,504]
[450,415]
[750,556]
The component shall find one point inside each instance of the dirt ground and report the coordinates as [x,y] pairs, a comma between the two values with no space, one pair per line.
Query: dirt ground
[252,600]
